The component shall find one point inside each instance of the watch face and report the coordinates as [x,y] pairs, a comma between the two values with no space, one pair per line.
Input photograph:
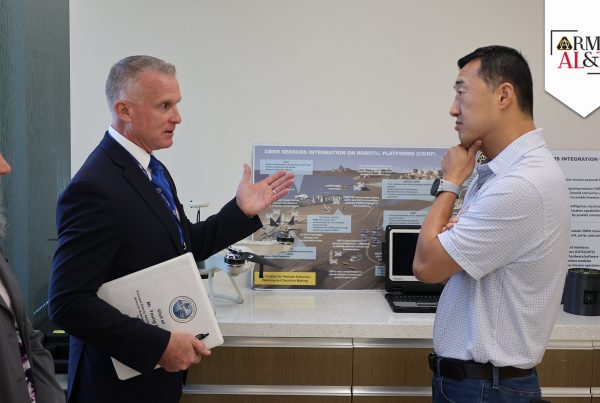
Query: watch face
[435,186]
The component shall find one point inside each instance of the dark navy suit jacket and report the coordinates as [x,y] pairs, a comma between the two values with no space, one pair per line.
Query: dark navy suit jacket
[111,222]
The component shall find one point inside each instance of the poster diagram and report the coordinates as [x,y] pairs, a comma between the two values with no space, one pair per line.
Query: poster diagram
[343,199]
[581,169]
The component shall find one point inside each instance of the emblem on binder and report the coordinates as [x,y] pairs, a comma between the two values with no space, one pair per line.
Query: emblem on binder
[182,309]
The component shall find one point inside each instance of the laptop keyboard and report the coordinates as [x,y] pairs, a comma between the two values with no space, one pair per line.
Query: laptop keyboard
[402,302]
[416,298]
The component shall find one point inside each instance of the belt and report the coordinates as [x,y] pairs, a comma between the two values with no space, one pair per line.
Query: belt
[459,369]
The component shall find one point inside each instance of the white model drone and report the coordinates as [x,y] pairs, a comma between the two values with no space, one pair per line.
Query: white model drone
[240,258]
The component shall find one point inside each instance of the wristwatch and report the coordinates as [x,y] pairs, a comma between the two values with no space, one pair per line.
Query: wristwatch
[441,185]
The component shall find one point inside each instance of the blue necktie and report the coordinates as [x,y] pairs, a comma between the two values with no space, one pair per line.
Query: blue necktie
[160,180]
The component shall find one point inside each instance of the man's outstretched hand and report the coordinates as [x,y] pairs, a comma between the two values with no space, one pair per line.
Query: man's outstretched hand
[252,198]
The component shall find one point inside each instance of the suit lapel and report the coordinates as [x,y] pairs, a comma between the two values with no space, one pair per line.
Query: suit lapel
[3,269]
[16,298]
[136,176]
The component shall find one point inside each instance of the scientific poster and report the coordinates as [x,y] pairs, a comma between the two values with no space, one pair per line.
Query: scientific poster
[343,199]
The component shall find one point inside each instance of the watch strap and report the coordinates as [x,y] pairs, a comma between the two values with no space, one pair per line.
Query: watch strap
[447,186]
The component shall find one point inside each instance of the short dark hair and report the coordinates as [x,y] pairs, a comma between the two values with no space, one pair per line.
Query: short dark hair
[501,64]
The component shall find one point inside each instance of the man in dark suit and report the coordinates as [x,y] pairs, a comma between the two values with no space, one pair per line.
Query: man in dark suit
[26,367]
[114,220]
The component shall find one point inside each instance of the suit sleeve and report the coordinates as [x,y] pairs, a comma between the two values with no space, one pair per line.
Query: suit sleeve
[88,222]
[47,390]
[221,230]
[218,231]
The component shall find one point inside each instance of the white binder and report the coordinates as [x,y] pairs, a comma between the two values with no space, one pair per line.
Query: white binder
[169,295]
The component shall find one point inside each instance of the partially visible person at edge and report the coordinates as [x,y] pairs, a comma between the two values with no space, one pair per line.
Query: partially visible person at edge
[26,367]
[504,258]
[119,214]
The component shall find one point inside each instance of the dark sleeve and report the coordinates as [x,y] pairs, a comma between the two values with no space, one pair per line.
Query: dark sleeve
[47,390]
[221,230]
[90,234]
[218,231]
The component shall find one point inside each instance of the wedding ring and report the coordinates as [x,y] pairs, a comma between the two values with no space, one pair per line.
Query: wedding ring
[274,191]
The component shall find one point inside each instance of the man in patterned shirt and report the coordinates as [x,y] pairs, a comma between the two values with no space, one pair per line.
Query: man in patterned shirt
[504,259]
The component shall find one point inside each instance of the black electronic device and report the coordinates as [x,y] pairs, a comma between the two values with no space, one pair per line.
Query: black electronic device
[236,257]
[581,295]
[56,341]
[404,292]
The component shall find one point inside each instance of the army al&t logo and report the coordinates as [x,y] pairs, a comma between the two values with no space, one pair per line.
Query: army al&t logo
[572,54]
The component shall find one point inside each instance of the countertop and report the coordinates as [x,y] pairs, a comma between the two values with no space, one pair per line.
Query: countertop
[342,313]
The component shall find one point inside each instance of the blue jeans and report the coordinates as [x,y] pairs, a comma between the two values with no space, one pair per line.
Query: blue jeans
[468,390]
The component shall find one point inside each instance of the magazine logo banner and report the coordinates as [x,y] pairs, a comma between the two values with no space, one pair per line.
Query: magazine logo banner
[572,53]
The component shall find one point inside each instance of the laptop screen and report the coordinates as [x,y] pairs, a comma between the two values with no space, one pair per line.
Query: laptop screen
[402,243]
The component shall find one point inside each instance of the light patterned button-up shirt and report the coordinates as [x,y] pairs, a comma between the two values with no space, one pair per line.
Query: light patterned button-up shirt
[512,241]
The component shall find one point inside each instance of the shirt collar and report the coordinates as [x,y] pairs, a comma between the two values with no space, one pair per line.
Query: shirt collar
[515,150]
[137,152]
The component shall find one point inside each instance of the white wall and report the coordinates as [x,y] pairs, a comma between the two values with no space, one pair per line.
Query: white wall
[318,72]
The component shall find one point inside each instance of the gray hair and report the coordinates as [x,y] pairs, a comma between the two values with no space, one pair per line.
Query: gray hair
[123,76]
[3,222]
